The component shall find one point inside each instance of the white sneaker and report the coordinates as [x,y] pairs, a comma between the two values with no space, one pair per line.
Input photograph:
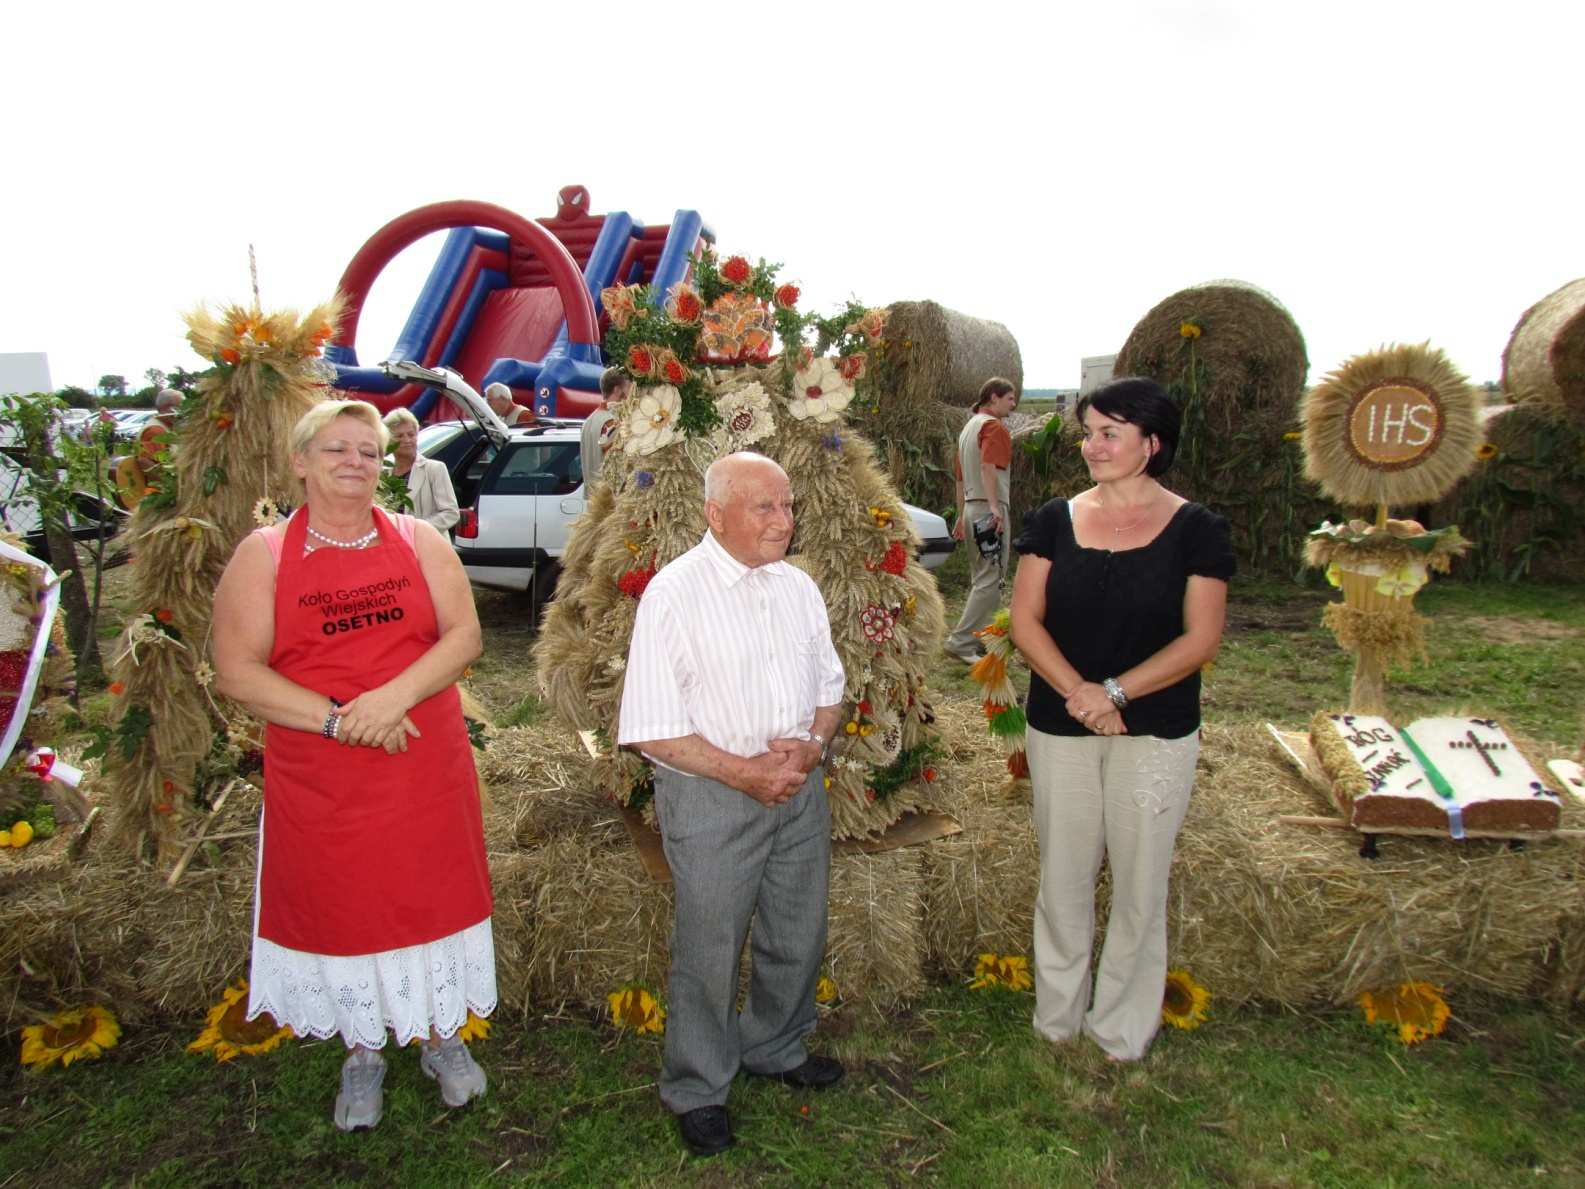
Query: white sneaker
[362,1098]
[454,1068]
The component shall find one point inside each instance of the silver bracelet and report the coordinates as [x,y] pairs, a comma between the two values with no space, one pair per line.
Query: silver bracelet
[332,725]
[1115,692]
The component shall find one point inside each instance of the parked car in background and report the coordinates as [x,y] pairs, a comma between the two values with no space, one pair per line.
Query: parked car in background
[521,489]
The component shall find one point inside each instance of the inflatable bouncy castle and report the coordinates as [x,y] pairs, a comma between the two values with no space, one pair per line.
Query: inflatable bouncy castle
[511,299]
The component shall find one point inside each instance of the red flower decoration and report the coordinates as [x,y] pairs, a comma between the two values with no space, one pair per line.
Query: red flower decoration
[736,270]
[929,774]
[687,307]
[164,615]
[633,582]
[118,688]
[896,559]
[674,371]
[787,296]
[230,355]
[640,361]
[864,707]
[168,787]
[852,366]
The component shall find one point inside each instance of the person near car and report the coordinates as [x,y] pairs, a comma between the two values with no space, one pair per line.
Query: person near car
[983,480]
[346,630]
[152,438]
[733,687]
[1119,600]
[508,410]
[428,483]
[598,427]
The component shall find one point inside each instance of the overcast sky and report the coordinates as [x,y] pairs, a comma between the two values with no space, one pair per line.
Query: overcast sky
[1390,171]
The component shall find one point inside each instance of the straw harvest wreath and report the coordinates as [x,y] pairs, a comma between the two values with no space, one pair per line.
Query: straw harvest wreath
[706,385]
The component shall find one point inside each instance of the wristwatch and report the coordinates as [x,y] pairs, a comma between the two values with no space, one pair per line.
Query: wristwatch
[1115,692]
[824,745]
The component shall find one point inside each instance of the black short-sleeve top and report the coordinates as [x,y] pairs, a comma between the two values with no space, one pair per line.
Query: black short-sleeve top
[1108,610]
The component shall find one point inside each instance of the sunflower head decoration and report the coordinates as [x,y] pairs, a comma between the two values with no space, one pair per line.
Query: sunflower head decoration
[1009,972]
[826,993]
[1185,1003]
[1412,1011]
[81,1034]
[473,1028]
[228,1033]
[634,1007]
[1399,425]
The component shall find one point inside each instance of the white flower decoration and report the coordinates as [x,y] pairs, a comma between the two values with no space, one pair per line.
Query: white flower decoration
[651,421]
[204,674]
[745,417]
[616,664]
[265,512]
[819,392]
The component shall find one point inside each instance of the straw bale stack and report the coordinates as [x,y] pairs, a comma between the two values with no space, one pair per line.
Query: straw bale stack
[1243,359]
[1545,356]
[1523,506]
[941,357]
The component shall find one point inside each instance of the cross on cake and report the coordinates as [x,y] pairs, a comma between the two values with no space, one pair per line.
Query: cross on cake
[1450,775]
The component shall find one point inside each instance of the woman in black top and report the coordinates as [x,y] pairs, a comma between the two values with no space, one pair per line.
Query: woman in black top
[1118,601]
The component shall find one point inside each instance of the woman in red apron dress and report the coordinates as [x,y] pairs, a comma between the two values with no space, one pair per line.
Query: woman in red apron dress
[346,630]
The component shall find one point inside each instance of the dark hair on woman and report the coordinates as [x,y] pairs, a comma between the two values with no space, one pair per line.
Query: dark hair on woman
[991,389]
[1144,403]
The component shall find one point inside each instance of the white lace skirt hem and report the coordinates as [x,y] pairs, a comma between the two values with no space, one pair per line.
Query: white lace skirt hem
[407,991]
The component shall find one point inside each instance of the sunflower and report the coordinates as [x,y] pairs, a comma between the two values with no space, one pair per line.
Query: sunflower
[80,1034]
[1011,972]
[634,1007]
[1185,1003]
[473,1028]
[826,993]
[1415,1010]
[229,1033]
[266,512]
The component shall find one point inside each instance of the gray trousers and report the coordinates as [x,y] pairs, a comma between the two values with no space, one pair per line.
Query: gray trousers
[985,584]
[734,860]
[1123,796]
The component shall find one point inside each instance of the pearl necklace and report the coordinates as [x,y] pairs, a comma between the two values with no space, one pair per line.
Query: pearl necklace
[366,539]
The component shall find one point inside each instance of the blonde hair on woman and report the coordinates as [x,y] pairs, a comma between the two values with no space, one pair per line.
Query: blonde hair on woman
[399,417]
[327,411]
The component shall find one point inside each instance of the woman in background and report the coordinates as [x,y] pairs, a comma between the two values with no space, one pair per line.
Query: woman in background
[428,482]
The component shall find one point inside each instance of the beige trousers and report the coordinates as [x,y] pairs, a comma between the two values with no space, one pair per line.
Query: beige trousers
[987,576]
[1123,796]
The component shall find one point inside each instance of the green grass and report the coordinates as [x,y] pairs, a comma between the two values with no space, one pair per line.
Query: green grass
[958,1092]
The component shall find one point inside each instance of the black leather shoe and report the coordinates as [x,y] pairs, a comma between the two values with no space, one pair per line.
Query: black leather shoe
[706,1129]
[816,1073]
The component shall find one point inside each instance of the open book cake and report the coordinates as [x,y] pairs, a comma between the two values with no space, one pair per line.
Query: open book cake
[1455,776]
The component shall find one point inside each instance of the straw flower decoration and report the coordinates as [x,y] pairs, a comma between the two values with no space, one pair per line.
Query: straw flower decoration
[266,512]
[1189,330]
[652,424]
[634,1007]
[819,392]
[745,417]
[826,992]
[1413,1011]
[228,1033]
[81,1034]
[1185,1002]
[1486,452]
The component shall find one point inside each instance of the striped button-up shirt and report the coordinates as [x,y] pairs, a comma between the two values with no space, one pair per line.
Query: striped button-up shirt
[738,655]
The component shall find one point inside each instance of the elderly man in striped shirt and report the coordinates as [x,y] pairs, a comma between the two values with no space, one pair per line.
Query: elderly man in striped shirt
[733,688]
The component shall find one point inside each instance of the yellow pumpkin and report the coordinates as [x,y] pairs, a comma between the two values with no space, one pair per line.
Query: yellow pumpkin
[21,833]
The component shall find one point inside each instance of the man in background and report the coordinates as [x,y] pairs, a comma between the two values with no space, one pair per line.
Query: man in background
[599,425]
[507,409]
[983,465]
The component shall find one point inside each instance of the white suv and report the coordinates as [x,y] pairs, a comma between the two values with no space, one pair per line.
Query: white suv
[520,490]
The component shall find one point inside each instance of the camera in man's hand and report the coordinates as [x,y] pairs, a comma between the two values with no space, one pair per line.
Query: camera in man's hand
[988,536]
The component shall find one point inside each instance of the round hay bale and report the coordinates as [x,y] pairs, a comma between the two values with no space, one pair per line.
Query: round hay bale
[1227,345]
[1523,505]
[1545,356]
[942,357]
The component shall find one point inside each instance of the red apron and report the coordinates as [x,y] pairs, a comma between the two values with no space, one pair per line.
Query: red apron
[364,851]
